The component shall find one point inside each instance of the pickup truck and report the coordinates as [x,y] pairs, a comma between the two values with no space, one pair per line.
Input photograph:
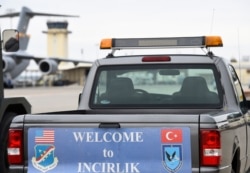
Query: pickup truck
[150,112]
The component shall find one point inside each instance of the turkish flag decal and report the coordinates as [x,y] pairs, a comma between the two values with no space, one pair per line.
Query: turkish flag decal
[171,135]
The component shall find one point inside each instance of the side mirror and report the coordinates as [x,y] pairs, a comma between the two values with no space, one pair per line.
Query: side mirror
[10,40]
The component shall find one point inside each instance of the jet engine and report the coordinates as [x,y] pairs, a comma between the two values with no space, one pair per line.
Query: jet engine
[48,66]
[8,64]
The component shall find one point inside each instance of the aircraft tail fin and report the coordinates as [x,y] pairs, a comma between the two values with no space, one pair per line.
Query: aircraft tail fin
[24,17]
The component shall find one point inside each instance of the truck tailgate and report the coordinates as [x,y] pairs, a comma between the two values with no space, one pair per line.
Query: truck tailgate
[112,143]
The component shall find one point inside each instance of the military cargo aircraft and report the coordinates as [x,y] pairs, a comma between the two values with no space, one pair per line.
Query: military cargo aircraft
[15,63]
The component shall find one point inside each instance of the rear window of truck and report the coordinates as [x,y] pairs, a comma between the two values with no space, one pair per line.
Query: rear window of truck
[156,86]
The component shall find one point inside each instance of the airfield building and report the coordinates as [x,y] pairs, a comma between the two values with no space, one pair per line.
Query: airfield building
[57,46]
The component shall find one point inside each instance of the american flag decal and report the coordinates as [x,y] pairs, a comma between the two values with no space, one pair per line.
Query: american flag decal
[45,136]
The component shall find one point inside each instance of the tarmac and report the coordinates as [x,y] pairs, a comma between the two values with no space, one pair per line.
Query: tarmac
[48,99]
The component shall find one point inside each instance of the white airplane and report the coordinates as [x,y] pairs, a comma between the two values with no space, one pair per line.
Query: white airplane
[16,62]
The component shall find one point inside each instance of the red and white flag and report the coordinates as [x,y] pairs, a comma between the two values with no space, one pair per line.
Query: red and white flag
[45,136]
[171,135]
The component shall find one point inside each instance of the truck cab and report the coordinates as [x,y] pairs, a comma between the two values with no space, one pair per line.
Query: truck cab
[201,92]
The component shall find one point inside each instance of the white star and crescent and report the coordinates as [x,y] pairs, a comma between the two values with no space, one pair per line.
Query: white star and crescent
[168,136]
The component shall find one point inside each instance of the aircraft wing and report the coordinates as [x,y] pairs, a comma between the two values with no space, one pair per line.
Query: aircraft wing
[38,59]
[47,65]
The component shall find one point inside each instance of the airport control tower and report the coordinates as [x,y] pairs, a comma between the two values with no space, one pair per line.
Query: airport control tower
[57,39]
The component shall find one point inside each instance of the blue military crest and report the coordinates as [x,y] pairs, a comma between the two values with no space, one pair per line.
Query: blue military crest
[44,159]
[172,157]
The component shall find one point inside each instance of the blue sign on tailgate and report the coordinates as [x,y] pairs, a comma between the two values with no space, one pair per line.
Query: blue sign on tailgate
[97,150]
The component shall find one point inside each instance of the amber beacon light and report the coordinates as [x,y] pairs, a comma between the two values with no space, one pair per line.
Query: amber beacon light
[162,42]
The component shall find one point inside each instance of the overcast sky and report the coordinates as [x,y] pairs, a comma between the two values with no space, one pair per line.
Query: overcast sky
[137,18]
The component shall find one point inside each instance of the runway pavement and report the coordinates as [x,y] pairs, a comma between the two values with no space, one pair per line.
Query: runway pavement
[48,99]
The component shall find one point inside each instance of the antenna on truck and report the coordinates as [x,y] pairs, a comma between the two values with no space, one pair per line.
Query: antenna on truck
[238,36]
[212,22]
